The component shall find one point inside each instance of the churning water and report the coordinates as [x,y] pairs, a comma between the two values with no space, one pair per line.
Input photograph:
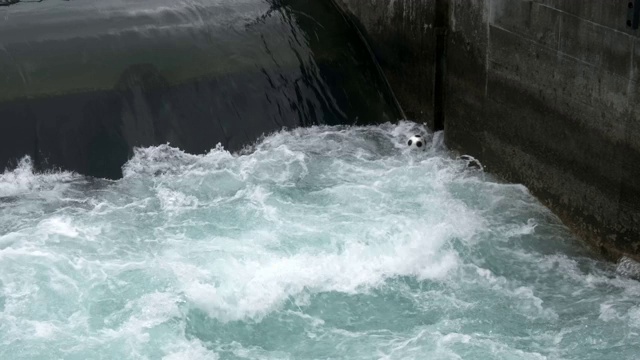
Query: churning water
[324,242]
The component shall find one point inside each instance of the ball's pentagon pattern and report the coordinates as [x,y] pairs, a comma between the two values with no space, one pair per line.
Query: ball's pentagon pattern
[417,142]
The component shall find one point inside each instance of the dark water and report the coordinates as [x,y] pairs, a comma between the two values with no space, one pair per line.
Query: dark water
[82,83]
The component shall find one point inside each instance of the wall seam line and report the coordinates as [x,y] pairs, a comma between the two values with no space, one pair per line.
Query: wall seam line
[585,20]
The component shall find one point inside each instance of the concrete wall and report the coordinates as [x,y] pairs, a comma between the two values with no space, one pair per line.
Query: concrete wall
[401,34]
[544,92]
[551,100]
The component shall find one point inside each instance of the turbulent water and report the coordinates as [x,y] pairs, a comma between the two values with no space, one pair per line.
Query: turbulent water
[325,242]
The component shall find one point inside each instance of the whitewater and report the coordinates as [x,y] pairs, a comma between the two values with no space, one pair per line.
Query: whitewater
[313,243]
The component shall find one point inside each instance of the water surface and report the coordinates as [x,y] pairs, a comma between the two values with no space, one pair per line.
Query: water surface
[322,242]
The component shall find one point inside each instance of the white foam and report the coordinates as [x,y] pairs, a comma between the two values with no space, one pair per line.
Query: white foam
[192,350]
[255,286]
[634,316]
[174,201]
[158,160]
[628,267]
[612,311]
[23,179]
[302,214]
[523,297]
[520,230]
[151,310]
[44,330]
[59,226]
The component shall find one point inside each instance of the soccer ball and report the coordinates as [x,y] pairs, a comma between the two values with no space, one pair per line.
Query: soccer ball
[417,142]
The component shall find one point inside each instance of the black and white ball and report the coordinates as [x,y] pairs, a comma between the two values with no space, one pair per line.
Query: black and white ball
[417,142]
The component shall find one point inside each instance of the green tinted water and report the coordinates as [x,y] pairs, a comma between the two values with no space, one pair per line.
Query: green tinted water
[316,243]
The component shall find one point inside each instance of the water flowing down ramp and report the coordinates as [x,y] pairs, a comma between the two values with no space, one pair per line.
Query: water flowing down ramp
[83,83]
[322,243]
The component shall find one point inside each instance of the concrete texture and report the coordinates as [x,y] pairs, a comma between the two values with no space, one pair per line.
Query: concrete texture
[401,34]
[544,92]
[551,101]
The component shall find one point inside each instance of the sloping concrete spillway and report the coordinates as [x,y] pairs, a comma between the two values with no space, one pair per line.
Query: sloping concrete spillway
[83,83]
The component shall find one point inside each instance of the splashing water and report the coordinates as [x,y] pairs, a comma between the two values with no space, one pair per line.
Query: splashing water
[324,242]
